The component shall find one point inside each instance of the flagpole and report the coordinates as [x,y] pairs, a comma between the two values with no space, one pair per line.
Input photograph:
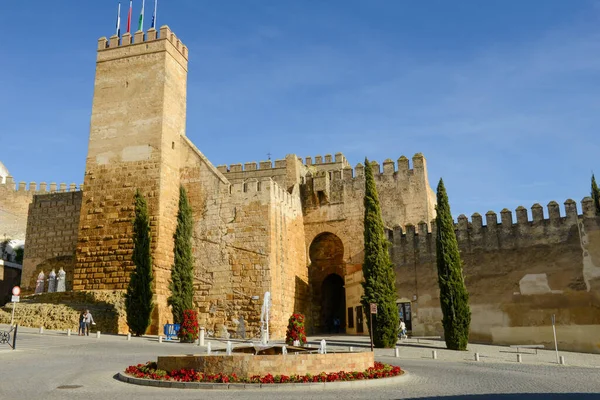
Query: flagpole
[119,20]
[154,15]
[129,16]
[141,21]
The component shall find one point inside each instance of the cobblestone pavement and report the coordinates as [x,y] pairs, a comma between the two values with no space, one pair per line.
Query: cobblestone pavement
[54,366]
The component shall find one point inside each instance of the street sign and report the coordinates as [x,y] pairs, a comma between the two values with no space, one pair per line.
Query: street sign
[16,291]
[15,299]
[373,308]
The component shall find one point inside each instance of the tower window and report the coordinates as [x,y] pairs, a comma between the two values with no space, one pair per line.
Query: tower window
[173,145]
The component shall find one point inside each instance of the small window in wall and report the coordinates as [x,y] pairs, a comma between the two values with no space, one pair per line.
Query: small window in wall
[173,145]
[350,317]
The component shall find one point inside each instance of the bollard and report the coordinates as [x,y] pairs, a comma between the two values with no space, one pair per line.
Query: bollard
[434,354]
[350,349]
[98,335]
[68,332]
[208,348]
[562,360]
[129,336]
[397,352]
[519,358]
[476,356]
[201,339]
[160,339]
[41,330]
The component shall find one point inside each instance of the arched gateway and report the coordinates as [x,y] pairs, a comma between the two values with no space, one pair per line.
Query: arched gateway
[326,278]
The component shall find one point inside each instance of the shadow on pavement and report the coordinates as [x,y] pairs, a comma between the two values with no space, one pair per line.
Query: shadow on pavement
[516,396]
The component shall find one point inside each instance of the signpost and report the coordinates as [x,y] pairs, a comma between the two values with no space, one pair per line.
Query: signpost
[372,310]
[16,291]
[555,343]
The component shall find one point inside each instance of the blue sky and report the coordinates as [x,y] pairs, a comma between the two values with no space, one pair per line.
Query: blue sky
[500,96]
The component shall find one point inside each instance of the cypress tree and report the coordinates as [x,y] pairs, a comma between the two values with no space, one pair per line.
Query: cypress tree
[138,300]
[182,273]
[454,298]
[595,195]
[379,278]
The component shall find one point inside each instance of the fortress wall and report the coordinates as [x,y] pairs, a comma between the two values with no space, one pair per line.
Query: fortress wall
[51,236]
[518,273]
[14,204]
[247,241]
[285,172]
[230,261]
[289,273]
[333,201]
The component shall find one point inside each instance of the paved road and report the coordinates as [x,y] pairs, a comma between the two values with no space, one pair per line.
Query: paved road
[42,364]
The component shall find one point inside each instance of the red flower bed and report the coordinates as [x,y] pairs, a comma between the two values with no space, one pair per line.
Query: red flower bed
[149,371]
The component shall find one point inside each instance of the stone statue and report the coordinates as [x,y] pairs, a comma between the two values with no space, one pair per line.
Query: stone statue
[39,284]
[61,280]
[52,282]
[241,328]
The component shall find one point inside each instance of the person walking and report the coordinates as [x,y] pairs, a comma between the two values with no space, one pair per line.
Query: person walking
[82,323]
[89,320]
[402,330]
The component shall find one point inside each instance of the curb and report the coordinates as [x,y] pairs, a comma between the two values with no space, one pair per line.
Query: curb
[267,386]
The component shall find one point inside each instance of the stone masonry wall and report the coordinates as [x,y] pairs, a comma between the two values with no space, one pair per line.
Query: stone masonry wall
[246,242]
[138,117]
[52,228]
[14,204]
[517,274]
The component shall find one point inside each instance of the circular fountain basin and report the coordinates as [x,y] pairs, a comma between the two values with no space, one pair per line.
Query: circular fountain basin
[247,361]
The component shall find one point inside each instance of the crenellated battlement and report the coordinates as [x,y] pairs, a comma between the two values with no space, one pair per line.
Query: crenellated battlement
[339,158]
[139,37]
[266,187]
[43,188]
[508,232]
[252,166]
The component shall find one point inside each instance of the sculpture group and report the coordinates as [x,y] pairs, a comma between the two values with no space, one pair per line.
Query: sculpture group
[56,282]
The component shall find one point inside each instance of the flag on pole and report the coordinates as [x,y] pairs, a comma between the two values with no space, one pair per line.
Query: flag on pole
[141,21]
[119,20]
[129,16]
[154,15]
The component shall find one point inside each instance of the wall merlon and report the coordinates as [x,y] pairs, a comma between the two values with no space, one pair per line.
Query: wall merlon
[308,161]
[235,168]
[463,222]
[63,187]
[553,211]
[280,163]
[476,222]
[249,166]
[521,215]
[389,167]
[403,164]
[10,183]
[537,212]
[491,219]
[22,186]
[222,168]
[328,158]
[375,168]
[422,228]
[506,218]
[339,158]
[318,160]
[587,207]
[418,161]
[360,170]
[266,164]
[571,209]
[53,187]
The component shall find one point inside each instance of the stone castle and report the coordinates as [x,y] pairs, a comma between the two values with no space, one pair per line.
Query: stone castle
[293,227]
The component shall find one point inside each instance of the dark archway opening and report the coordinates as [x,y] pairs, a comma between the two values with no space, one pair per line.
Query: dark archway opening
[326,280]
[333,305]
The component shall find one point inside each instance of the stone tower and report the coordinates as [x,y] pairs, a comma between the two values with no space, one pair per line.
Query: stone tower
[138,117]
